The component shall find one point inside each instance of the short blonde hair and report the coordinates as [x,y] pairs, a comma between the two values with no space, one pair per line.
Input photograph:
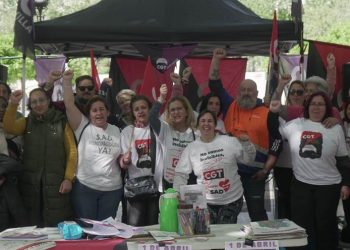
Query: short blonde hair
[124,94]
[190,119]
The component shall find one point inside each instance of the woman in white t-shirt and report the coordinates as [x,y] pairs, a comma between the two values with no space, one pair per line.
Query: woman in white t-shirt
[142,156]
[213,158]
[175,132]
[320,166]
[212,102]
[98,187]
[345,234]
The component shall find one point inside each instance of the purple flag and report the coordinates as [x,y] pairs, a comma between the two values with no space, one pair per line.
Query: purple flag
[43,66]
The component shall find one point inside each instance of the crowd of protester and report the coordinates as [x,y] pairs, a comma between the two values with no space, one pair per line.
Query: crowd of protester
[71,159]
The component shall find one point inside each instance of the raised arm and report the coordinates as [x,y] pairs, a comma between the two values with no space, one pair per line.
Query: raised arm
[73,113]
[282,82]
[177,86]
[11,124]
[215,84]
[214,70]
[54,75]
[331,74]
[154,112]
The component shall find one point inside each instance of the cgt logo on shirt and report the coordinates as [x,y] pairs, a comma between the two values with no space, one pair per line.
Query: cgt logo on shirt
[310,145]
[213,174]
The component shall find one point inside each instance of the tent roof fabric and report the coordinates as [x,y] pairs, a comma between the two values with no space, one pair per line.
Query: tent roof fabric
[112,26]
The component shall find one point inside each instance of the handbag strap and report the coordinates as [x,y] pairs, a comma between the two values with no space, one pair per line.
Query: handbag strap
[153,149]
[194,136]
[82,131]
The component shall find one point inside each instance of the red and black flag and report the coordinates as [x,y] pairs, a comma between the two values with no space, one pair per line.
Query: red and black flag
[153,79]
[24,28]
[232,72]
[317,65]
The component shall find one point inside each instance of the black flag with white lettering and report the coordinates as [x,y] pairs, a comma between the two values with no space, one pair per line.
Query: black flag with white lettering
[24,28]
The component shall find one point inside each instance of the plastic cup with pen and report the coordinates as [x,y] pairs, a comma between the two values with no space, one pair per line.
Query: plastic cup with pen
[187,217]
[202,222]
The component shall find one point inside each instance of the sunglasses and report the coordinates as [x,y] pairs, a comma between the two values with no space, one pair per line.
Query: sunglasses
[298,92]
[88,88]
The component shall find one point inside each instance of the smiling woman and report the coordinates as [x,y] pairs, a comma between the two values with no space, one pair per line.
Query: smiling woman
[49,158]
[213,158]
[142,161]
[320,167]
[97,190]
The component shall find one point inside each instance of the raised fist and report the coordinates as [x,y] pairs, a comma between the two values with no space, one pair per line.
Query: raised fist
[68,75]
[175,78]
[16,97]
[275,106]
[163,90]
[284,79]
[331,60]
[54,75]
[186,73]
[219,53]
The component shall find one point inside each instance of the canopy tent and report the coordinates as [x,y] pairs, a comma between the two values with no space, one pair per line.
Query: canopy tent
[112,27]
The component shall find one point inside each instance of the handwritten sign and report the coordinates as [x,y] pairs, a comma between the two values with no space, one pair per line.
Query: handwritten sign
[257,245]
[166,247]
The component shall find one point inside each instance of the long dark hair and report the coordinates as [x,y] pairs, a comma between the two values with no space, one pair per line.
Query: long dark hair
[327,102]
[204,104]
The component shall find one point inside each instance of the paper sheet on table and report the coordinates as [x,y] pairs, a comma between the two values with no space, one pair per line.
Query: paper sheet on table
[108,227]
[100,228]
[163,236]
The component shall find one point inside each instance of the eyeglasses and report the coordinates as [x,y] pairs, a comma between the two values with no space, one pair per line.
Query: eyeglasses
[88,88]
[298,92]
[38,102]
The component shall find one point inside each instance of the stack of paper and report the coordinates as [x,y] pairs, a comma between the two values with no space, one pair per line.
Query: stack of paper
[23,233]
[274,230]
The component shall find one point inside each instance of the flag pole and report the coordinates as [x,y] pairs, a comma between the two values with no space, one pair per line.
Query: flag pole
[23,84]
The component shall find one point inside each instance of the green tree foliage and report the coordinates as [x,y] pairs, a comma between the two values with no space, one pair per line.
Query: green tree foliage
[13,60]
[324,20]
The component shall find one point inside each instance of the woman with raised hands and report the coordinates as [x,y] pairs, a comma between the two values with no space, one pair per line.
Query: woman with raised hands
[213,158]
[49,158]
[98,187]
[142,159]
[175,132]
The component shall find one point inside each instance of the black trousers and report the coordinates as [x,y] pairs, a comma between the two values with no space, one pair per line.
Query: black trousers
[314,207]
[283,179]
[143,212]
